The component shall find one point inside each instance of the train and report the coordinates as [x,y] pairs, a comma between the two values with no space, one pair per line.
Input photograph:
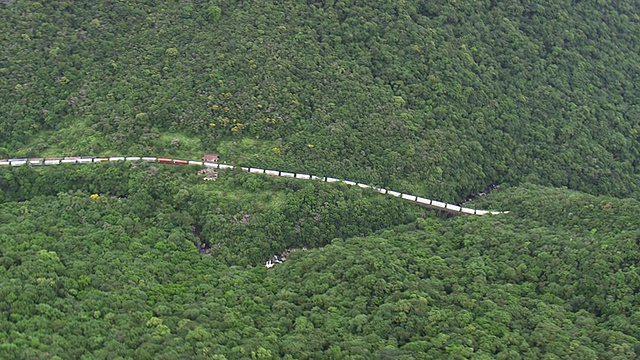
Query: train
[428,203]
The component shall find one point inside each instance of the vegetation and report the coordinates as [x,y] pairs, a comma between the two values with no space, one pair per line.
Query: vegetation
[428,97]
[109,277]
[244,226]
[436,98]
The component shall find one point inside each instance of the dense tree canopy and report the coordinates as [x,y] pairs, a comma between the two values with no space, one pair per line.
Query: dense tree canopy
[121,276]
[431,97]
[435,98]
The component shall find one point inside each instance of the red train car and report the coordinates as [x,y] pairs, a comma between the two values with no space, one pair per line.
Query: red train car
[180,162]
[164,161]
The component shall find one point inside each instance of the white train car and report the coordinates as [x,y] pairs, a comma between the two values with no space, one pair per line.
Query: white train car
[72,160]
[409,197]
[17,162]
[394,193]
[455,208]
[52,161]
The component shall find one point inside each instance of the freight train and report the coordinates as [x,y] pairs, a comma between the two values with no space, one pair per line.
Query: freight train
[428,203]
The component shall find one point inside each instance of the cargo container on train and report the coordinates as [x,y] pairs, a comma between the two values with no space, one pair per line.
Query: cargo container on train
[211,162]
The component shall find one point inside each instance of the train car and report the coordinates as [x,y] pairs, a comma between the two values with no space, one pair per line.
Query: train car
[455,208]
[52,161]
[149,159]
[165,161]
[409,197]
[468,211]
[180,162]
[17,162]
[5,162]
[36,161]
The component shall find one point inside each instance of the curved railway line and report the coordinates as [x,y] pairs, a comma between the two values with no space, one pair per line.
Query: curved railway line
[424,202]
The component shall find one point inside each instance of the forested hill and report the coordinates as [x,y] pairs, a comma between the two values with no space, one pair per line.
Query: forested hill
[441,99]
[119,277]
[435,98]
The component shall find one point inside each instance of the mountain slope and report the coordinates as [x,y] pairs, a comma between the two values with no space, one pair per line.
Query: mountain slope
[436,98]
[122,277]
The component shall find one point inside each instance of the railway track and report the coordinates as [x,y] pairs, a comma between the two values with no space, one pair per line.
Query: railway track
[424,202]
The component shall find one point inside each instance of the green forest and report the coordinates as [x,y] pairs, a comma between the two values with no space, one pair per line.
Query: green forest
[441,99]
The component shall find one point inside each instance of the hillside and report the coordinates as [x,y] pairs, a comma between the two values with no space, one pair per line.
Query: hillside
[434,98]
[442,99]
[121,277]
